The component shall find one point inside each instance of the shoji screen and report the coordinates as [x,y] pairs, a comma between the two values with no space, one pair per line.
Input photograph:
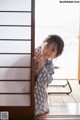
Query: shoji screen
[16,65]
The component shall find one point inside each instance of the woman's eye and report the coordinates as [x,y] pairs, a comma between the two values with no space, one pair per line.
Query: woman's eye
[53,50]
[47,45]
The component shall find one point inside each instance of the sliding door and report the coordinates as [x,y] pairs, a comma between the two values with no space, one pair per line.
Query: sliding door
[16,65]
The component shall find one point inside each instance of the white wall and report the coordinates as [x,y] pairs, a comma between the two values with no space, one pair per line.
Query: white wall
[53,17]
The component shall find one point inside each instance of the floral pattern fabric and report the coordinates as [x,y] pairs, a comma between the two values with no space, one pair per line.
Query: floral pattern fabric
[41,84]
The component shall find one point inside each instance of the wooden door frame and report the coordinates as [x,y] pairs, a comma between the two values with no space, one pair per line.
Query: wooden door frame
[79,54]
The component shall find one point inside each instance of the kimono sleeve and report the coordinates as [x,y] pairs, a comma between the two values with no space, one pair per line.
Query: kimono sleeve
[45,76]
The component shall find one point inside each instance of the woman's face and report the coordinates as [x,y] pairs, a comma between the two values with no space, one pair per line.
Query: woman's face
[48,50]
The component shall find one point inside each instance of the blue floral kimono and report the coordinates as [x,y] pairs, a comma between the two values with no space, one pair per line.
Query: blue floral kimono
[41,84]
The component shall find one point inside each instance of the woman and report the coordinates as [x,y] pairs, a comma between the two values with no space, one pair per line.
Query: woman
[51,48]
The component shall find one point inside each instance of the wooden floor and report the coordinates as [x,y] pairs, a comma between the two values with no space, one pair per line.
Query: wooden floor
[73,97]
[63,105]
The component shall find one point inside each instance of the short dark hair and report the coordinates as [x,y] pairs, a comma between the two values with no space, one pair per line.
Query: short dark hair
[58,41]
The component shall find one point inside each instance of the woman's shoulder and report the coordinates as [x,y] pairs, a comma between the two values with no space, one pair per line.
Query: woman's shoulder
[38,49]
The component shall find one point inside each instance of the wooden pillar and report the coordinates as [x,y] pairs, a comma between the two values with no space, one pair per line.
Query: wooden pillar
[79,55]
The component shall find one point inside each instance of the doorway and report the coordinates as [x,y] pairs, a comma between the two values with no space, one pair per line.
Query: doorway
[56,17]
[53,17]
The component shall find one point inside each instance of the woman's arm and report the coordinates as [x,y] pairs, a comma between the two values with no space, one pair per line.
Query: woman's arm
[45,74]
[39,60]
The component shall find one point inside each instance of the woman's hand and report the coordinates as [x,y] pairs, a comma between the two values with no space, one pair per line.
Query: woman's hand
[39,58]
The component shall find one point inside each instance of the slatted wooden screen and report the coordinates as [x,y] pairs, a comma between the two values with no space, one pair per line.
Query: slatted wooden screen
[16,65]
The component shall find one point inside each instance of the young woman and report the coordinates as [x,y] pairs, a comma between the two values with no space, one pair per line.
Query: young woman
[51,48]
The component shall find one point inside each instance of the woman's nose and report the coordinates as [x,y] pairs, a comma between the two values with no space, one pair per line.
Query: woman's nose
[48,51]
